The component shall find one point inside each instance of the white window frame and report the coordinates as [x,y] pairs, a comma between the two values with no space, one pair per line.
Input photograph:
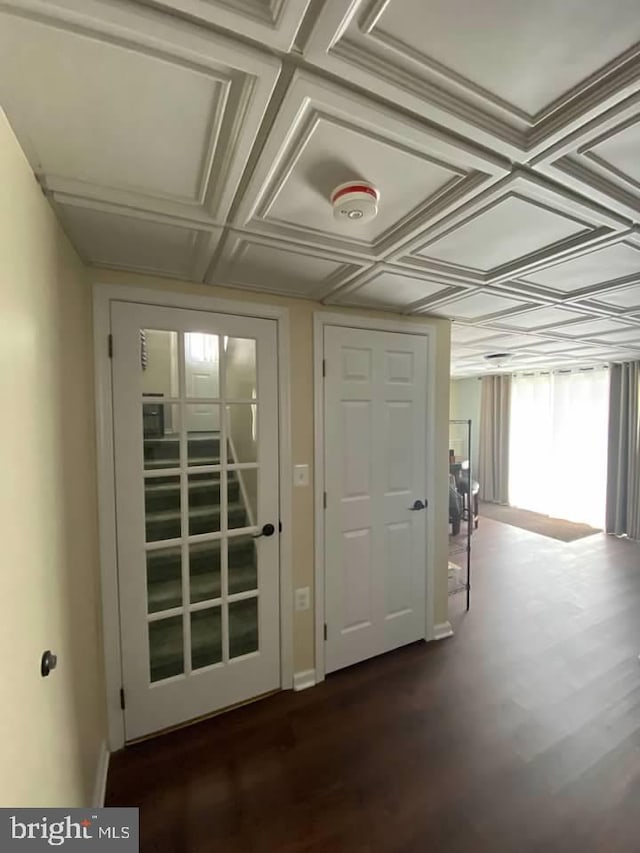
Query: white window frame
[103,296]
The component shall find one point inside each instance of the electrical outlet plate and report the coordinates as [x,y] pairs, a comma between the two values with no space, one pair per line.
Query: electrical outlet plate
[301,475]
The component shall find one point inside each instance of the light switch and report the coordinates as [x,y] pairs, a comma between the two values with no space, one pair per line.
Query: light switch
[303,598]
[301,475]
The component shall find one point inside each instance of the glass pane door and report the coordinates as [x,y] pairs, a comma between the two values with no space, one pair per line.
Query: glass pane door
[208,479]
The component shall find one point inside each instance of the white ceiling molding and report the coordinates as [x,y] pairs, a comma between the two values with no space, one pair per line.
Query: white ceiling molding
[324,136]
[601,158]
[541,72]
[273,23]
[624,302]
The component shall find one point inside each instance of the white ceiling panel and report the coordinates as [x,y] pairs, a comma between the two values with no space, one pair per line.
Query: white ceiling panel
[625,299]
[109,239]
[600,266]
[389,288]
[542,318]
[520,223]
[599,353]
[518,64]
[324,136]
[469,334]
[591,328]
[476,307]
[551,347]
[630,336]
[510,229]
[509,342]
[258,263]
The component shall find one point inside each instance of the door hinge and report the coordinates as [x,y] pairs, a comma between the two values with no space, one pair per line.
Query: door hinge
[110,346]
[122,698]
[324,500]
[324,367]
[325,631]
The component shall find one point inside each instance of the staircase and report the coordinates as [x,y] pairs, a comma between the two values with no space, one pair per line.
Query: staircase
[163,521]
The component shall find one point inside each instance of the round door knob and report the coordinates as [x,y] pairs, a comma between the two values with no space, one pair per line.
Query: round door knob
[267,530]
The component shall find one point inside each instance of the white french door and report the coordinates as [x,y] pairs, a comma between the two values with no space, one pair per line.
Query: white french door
[375,411]
[196,463]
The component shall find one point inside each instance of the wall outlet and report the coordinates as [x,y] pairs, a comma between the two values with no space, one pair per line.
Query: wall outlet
[301,475]
[303,598]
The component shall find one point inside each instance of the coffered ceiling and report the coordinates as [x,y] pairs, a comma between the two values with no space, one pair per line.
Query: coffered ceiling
[201,139]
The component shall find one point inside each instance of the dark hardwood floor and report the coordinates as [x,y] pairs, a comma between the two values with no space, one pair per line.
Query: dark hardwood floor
[521,733]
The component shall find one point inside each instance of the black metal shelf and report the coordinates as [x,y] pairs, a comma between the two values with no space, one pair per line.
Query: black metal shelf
[461,543]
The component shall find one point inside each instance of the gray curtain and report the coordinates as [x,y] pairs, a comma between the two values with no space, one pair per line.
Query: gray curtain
[623,475]
[493,462]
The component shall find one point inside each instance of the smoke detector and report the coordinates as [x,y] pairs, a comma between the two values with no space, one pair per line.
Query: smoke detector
[355,201]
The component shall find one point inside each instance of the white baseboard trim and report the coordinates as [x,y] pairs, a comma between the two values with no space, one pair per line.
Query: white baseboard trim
[442,630]
[100,788]
[303,680]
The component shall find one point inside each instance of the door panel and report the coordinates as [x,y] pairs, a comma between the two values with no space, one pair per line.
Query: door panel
[199,596]
[375,469]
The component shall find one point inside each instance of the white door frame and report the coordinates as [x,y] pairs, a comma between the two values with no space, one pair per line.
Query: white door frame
[103,296]
[352,321]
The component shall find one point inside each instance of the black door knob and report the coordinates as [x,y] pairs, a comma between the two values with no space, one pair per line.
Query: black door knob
[417,506]
[48,662]
[267,530]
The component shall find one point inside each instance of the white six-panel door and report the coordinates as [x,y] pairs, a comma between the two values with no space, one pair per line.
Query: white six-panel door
[375,409]
[196,464]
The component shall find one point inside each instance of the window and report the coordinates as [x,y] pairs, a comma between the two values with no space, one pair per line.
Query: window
[558,444]
[201,348]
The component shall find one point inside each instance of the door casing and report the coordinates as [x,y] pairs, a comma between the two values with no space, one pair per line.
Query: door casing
[320,320]
[103,296]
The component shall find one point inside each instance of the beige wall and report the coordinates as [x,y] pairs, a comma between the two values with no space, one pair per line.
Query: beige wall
[301,331]
[51,729]
[161,374]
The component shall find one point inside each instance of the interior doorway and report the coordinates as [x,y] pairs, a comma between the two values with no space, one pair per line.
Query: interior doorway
[376,423]
[195,414]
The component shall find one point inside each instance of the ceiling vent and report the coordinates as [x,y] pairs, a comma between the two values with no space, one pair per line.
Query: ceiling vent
[498,359]
[355,201]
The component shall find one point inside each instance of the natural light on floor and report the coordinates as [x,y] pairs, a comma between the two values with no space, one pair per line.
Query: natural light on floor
[558,444]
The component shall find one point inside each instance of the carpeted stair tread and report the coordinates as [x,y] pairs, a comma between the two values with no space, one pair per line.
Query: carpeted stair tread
[172,462]
[167,594]
[166,524]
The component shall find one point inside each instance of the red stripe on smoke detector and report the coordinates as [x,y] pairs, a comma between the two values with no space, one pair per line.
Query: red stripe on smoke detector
[355,188]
